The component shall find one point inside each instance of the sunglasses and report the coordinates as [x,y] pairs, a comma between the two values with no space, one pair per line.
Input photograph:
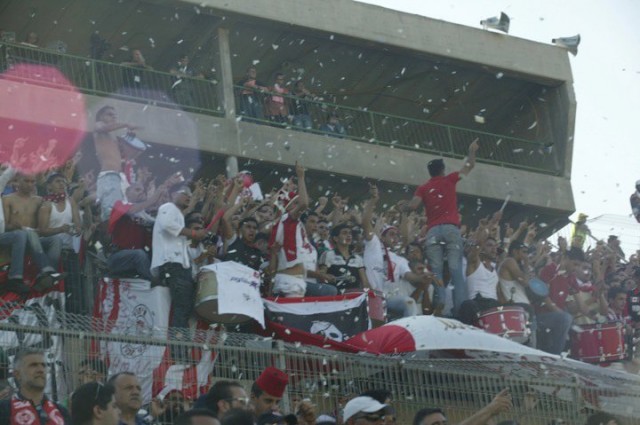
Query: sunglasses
[243,400]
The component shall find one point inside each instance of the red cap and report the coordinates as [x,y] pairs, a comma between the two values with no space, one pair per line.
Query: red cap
[273,381]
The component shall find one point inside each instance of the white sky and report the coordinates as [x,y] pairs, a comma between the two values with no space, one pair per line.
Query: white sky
[606,159]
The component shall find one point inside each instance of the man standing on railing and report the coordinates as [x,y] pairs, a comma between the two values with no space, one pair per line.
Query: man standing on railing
[438,195]
[30,406]
[110,183]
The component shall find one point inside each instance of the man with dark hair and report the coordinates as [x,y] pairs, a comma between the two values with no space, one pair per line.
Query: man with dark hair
[444,241]
[197,417]
[435,416]
[238,417]
[319,283]
[267,391]
[110,182]
[30,402]
[341,262]
[94,404]
[242,250]
[170,256]
[128,397]
[224,396]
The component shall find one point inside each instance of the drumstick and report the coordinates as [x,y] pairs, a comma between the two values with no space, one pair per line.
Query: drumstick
[506,200]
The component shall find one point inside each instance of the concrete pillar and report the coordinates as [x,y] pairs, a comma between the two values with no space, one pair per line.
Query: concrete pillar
[231,166]
[225,85]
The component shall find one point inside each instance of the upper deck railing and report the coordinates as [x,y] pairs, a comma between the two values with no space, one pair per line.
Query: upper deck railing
[200,95]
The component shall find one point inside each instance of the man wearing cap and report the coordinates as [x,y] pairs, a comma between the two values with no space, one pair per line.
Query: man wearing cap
[364,410]
[267,391]
[58,223]
[438,196]
[580,231]
[635,202]
[170,256]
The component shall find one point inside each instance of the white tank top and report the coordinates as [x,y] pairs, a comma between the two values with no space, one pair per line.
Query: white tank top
[484,282]
[59,218]
[513,291]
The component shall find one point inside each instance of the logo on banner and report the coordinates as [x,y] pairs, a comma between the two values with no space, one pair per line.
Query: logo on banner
[25,417]
[139,324]
[327,330]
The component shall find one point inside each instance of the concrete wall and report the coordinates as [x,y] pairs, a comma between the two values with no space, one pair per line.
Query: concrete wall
[367,22]
[228,136]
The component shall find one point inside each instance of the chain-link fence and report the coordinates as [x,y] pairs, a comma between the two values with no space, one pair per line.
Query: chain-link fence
[543,389]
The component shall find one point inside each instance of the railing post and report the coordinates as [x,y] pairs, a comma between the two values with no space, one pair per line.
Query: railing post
[451,151]
[94,75]
[373,127]
[282,365]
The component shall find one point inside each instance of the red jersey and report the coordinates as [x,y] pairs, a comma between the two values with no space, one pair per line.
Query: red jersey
[126,232]
[438,195]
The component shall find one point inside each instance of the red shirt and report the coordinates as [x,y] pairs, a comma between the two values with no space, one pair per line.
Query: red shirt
[438,195]
[560,285]
[125,232]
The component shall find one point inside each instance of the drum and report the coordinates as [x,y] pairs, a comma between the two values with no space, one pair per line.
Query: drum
[206,305]
[508,321]
[598,343]
[377,308]
[537,291]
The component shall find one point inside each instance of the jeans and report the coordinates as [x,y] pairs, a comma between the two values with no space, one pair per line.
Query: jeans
[108,192]
[52,246]
[17,240]
[445,242]
[182,290]
[37,252]
[320,290]
[130,261]
[250,106]
[553,329]
[302,120]
[400,306]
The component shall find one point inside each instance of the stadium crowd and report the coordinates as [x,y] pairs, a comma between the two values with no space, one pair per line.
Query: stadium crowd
[118,401]
[132,225]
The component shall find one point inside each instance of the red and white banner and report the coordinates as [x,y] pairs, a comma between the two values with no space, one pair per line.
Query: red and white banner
[131,308]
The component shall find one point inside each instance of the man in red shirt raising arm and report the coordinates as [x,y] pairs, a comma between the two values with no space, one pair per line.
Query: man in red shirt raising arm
[438,195]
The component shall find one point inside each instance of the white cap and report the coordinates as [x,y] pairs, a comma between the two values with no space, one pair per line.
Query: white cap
[361,404]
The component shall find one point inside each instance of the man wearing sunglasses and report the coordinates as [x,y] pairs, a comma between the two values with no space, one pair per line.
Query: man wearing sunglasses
[94,404]
[364,410]
[30,405]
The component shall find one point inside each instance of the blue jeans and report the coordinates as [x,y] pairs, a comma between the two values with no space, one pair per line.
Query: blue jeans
[445,242]
[108,192]
[250,106]
[302,120]
[399,306]
[315,289]
[133,261]
[553,329]
[17,240]
[52,245]
[37,252]
[182,290]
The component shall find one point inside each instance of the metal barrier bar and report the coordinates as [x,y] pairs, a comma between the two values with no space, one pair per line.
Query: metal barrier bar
[114,80]
[394,131]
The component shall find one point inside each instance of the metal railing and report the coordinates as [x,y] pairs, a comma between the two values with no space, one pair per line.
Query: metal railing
[542,389]
[201,95]
[394,131]
[103,78]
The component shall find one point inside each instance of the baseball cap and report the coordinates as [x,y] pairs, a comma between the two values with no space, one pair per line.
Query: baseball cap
[362,404]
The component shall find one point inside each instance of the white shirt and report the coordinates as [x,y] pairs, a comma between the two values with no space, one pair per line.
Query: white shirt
[168,245]
[376,265]
[60,218]
[483,281]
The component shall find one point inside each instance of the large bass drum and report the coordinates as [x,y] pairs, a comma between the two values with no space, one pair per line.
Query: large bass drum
[206,305]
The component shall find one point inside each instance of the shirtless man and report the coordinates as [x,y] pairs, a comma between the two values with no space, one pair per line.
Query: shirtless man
[110,184]
[21,213]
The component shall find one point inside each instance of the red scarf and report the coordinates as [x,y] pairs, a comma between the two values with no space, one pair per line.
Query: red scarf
[23,412]
[387,258]
[55,197]
[289,233]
